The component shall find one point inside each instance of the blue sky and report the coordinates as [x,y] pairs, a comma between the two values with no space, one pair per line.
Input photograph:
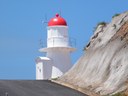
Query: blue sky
[21,28]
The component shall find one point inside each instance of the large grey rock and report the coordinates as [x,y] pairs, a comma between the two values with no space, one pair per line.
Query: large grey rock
[104,66]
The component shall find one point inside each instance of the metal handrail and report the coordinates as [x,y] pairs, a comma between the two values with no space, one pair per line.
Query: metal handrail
[72,42]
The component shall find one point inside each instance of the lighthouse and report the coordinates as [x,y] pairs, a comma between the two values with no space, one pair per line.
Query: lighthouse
[58,50]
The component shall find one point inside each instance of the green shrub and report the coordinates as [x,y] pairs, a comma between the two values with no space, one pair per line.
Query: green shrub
[119,94]
[100,23]
[115,15]
[54,78]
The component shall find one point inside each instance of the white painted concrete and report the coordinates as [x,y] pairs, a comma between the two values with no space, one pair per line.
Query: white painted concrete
[57,60]
[43,67]
[62,61]
[57,36]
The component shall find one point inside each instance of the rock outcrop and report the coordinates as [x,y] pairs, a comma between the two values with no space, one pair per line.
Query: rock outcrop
[104,66]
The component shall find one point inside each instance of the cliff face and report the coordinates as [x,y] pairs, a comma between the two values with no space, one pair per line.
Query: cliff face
[104,66]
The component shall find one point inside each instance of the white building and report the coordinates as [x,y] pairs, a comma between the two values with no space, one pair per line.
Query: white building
[57,60]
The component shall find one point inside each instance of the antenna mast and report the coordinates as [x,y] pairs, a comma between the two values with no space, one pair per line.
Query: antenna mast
[60,12]
[45,19]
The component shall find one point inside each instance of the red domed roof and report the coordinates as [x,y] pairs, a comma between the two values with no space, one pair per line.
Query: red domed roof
[57,21]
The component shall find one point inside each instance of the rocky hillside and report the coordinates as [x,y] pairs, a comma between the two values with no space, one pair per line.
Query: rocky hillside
[103,68]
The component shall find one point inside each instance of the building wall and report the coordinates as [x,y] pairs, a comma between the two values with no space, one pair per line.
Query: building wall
[61,62]
[43,68]
[57,60]
[57,37]
[39,70]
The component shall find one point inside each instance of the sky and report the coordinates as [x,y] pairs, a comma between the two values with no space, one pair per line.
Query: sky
[22,28]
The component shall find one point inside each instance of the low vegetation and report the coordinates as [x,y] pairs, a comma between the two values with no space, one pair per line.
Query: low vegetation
[119,94]
[115,15]
[100,23]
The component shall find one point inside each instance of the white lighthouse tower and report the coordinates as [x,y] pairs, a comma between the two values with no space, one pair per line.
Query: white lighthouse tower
[57,60]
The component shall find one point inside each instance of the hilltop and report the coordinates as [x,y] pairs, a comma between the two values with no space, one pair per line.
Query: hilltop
[103,68]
